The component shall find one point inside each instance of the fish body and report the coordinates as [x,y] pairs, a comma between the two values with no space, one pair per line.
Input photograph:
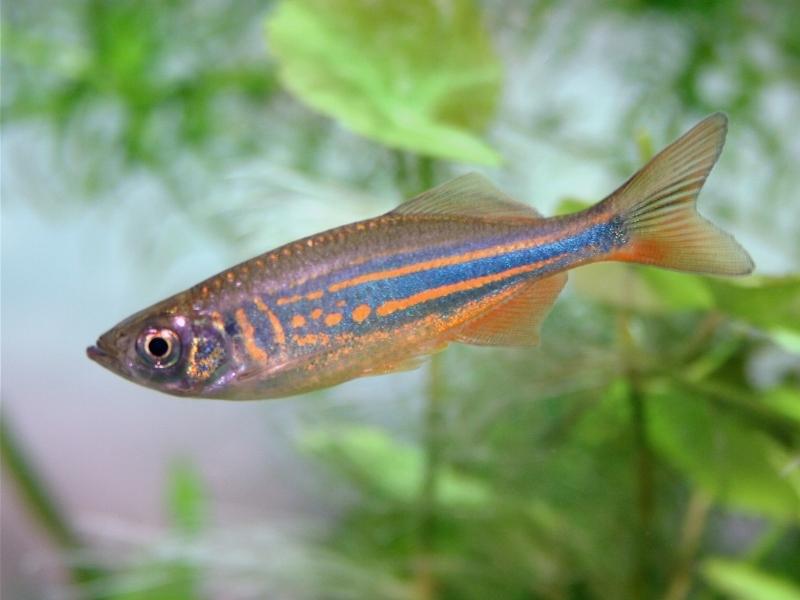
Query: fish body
[462,262]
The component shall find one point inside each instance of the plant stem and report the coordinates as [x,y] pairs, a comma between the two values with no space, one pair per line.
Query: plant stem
[645,495]
[428,518]
[40,503]
[426,583]
[692,531]
[644,484]
[643,468]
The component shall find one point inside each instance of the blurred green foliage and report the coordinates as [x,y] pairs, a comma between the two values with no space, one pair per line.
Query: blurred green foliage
[410,75]
[168,572]
[138,80]
[641,453]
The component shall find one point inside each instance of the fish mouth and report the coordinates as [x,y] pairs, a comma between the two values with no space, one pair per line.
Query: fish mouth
[101,355]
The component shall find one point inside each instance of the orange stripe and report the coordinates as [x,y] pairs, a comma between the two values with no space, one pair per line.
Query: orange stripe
[253,349]
[277,328]
[392,306]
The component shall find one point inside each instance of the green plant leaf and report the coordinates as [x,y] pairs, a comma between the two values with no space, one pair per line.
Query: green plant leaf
[186,498]
[741,466]
[373,459]
[418,76]
[678,291]
[771,303]
[743,581]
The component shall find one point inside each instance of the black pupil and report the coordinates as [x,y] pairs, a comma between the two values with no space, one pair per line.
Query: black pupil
[158,347]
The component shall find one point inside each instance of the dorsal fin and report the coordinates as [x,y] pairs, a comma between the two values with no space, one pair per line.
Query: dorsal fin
[468,195]
[516,321]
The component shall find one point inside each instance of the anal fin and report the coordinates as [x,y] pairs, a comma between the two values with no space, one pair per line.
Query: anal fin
[516,321]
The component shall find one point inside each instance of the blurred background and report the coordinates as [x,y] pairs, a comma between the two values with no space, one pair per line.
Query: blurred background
[648,448]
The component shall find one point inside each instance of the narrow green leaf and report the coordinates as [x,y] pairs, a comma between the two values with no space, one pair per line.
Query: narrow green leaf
[742,581]
[418,76]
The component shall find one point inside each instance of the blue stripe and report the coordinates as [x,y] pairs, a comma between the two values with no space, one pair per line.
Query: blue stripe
[592,241]
[561,253]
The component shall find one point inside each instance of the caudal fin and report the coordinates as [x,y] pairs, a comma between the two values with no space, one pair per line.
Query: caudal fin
[658,209]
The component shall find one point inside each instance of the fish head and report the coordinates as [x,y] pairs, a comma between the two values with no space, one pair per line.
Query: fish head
[179,352]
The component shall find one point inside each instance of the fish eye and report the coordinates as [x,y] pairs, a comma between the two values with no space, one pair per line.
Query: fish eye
[159,347]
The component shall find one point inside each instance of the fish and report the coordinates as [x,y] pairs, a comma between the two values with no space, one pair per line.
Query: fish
[460,263]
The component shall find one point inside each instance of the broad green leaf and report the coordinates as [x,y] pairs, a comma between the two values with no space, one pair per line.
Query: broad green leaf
[185,498]
[386,466]
[742,467]
[418,75]
[679,291]
[742,581]
[771,303]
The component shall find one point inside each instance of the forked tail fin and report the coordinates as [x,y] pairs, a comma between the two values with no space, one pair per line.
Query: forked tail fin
[658,209]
